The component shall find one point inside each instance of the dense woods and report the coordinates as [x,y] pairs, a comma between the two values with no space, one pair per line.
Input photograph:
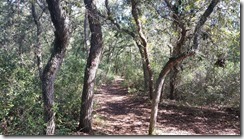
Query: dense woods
[72,67]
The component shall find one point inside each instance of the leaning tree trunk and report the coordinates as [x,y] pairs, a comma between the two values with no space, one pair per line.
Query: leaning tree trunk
[54,63]
[85,124]
[176,60]
[159,84]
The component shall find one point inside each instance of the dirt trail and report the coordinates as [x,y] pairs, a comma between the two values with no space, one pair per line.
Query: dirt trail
[117,113]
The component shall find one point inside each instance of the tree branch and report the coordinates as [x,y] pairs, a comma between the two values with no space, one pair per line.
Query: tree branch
[135,14]
[201,22]
[114,22]
[179,23]
[38,51]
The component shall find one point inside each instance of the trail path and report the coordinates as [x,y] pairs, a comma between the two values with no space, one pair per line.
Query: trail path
[118,113]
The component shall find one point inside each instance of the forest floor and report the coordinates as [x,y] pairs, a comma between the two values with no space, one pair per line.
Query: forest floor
[117,112]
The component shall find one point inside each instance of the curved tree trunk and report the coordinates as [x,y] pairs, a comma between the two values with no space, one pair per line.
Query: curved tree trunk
[174,61]
[54,63]
[159,84]
[85,124]
[141,42]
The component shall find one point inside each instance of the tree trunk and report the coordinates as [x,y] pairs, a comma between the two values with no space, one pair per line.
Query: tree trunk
[158,87]
[173,82]
[174,73]
[178,26]
[54,63]
[149,72]
[141,42]
[93,60]
[175,70]
[174,61]
[145,71]
[38,50]
[86,48]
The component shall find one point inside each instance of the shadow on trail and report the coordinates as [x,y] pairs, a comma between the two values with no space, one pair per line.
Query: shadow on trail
[126,114]
[200,121]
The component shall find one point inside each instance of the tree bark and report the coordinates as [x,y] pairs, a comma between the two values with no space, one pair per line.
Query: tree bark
[145,70]
[159,84]
[173,82]
[202,21]
[141,42]
[49,73]
[179,26]
[38,50]
[86,49]
[175,70]
[85,124]
[175,60]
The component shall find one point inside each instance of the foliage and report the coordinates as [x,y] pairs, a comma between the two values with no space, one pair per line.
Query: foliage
[68,88]
[21,104]
[202,82]
[212,86]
